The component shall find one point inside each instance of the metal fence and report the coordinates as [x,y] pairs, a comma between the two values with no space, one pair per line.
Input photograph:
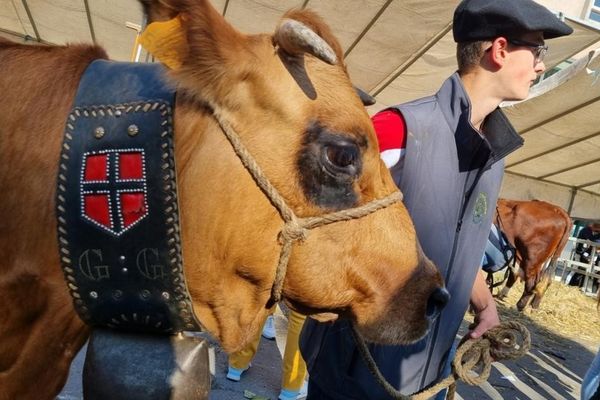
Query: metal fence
[568,265]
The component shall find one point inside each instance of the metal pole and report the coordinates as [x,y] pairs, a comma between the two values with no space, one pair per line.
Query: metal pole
[31,21]
[572,200]
[89,18]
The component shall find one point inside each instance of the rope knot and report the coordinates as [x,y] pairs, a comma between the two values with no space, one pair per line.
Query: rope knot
[508,341]
[293,230]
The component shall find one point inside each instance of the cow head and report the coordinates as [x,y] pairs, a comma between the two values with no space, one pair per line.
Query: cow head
[289,98]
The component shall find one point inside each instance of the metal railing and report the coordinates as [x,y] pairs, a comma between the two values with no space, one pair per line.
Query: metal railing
[570,265]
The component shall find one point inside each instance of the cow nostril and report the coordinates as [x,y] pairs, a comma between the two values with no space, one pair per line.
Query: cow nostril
[437,301]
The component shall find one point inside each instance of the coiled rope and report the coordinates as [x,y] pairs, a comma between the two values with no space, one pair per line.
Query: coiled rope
[508,341]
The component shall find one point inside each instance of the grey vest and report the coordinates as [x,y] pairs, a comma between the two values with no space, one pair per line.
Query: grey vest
[450,178]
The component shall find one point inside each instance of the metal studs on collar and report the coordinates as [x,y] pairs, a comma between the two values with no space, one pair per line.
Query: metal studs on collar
[99,132]
[132,130]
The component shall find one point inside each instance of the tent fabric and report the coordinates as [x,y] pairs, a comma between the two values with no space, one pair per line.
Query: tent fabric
[561,128]
[397,51]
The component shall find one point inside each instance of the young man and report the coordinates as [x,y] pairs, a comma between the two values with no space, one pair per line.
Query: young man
[445,153]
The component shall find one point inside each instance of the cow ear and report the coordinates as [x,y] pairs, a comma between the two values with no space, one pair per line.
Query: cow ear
[159,10]
[190,33]
[206,54]
[166,41]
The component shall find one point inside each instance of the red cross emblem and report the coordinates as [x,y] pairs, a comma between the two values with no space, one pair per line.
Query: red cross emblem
[113,189]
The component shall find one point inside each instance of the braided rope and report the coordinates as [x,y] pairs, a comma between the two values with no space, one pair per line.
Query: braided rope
[294,229]
[508,341]
[297,229]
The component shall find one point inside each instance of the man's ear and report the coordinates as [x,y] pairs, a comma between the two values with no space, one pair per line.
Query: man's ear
[499,51]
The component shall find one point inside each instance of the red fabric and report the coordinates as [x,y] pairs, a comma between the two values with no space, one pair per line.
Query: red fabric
[390,129]
[95,167]
[132,207]
[130,166]
[96,207]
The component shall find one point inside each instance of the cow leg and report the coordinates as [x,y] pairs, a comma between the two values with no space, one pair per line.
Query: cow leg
[537,299]
[510,281]
[40,334]
[541,287]
[527,293]
[489,280]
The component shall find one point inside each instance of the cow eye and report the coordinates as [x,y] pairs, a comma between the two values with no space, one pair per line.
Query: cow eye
[341,158]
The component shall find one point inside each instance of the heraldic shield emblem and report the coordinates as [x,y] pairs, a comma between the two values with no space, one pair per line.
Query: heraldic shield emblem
[113,189]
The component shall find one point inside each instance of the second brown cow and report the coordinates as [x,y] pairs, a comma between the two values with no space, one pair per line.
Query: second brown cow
[539,231]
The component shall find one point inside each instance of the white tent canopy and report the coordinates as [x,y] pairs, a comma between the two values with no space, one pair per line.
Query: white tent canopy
[561,128]
[397,51]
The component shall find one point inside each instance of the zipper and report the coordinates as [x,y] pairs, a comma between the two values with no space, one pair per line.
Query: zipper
[465,201]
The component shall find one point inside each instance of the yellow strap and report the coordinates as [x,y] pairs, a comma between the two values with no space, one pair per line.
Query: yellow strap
[166,41]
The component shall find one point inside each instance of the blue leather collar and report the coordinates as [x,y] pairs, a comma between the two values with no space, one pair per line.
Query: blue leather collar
[118,222]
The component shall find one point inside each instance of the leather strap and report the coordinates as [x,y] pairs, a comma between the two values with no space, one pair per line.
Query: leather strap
[118,222]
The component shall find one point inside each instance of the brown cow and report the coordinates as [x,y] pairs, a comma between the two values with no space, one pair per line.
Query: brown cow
[539,231]
[302,121]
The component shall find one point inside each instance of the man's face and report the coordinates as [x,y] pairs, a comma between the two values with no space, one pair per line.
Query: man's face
[523,65]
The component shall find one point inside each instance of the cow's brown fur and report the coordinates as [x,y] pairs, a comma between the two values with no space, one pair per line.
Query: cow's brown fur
[539,231]
[369,270]
[38,328]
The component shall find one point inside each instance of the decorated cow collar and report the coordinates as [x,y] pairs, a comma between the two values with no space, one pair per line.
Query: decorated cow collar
[118,221]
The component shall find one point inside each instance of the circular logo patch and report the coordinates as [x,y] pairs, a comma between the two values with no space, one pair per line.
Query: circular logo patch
[481,207]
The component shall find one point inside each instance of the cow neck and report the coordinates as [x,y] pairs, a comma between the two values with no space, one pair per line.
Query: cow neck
[294,228]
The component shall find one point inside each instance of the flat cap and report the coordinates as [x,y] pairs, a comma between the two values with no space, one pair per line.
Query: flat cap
[488,19]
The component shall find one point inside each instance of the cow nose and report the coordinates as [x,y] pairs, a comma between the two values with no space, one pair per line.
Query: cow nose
[437,301]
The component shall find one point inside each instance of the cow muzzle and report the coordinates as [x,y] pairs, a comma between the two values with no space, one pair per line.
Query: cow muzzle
[436,303]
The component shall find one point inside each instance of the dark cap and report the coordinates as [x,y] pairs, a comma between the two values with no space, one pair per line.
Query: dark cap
[488,19]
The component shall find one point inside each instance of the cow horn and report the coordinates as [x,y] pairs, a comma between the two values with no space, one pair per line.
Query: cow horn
[365,97]
[296,38]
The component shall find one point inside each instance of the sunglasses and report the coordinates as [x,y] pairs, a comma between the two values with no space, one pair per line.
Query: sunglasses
[539,50]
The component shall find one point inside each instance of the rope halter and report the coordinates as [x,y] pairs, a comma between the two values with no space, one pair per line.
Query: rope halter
[294,228]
